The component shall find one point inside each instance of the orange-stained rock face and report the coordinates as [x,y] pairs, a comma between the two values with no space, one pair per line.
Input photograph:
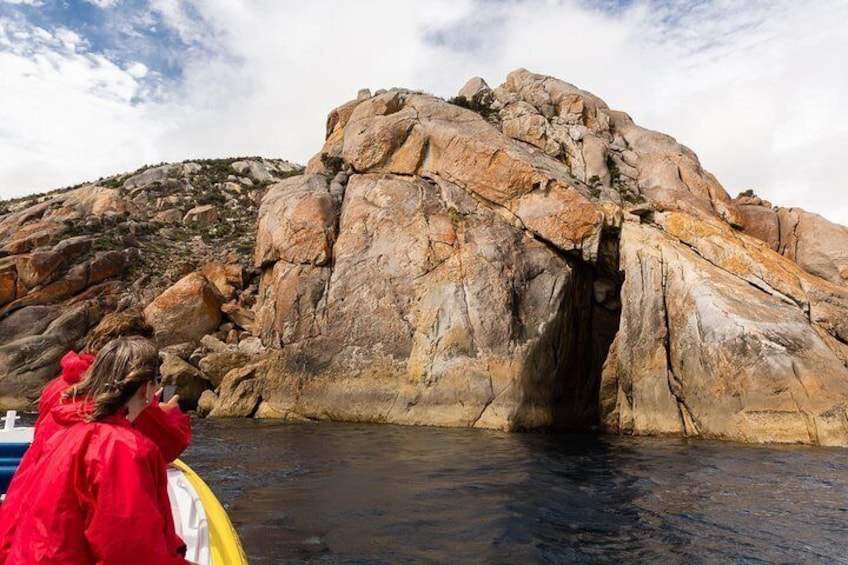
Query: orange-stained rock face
[227,278]
[77,279]
[417,135]
[817,245]
[762,223]
[297,222]
[8,285]
[30,237]
[716,340]
[186,311]
[540,261]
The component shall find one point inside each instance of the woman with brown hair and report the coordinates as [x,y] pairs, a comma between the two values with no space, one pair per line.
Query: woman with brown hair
[74,365]
[98,491]
[163,423]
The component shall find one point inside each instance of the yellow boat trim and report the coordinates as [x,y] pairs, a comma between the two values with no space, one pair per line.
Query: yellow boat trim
[225,546]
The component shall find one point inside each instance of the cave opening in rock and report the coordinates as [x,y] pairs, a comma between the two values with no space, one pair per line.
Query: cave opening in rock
[569,360]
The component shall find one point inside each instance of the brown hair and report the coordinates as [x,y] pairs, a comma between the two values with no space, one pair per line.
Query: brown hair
[115,325]
[121,367]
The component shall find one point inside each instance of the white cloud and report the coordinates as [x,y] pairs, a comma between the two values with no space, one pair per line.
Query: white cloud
[66,116]
[137,70]
[23,2]
[754,88]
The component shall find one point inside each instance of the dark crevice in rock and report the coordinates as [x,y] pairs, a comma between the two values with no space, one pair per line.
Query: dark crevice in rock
[675,388]
[563,372]
[256,405]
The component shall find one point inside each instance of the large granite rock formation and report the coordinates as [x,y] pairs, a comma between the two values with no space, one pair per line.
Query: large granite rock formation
[525,257]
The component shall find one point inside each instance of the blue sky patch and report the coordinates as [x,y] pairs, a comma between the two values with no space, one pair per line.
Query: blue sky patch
[126,33]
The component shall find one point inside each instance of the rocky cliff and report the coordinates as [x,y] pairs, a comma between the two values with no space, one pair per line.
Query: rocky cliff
[513,258]
[526,257]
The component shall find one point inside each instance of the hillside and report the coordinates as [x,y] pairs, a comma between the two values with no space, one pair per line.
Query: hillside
[70,255]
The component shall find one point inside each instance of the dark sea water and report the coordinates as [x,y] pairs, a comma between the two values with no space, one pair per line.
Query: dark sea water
[345,493]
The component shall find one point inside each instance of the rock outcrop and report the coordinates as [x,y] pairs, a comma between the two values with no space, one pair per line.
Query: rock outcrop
[815,244]
[186,311]
[722,338]
[68,257]
[525,257]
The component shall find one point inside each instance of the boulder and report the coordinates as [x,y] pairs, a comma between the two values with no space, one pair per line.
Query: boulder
[814,243]
[251,346]
[207,402]
[38,268]
[169,216]
[210,343]
[227,278]
[186,311]
[73,247]
[181,350]
[242,317]
[477,91]
[91,200]
[201,216]
[761,222]
[216,365]
[153,174]
[240,393]
[257,170]
[190,382]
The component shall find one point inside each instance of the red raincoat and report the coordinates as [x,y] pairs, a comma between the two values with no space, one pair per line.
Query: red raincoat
[170,430]
[97,495]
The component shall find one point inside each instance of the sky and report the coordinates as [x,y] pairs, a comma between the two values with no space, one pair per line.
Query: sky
[90,88]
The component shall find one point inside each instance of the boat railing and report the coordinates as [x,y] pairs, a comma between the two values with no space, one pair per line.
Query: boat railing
[10,419]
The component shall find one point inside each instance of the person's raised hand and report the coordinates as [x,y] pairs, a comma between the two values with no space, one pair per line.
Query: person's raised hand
[172,403]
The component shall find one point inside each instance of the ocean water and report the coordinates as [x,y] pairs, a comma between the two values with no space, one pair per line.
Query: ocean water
[349,493]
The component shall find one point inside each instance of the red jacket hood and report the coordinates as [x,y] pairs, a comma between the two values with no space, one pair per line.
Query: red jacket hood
[74,366]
